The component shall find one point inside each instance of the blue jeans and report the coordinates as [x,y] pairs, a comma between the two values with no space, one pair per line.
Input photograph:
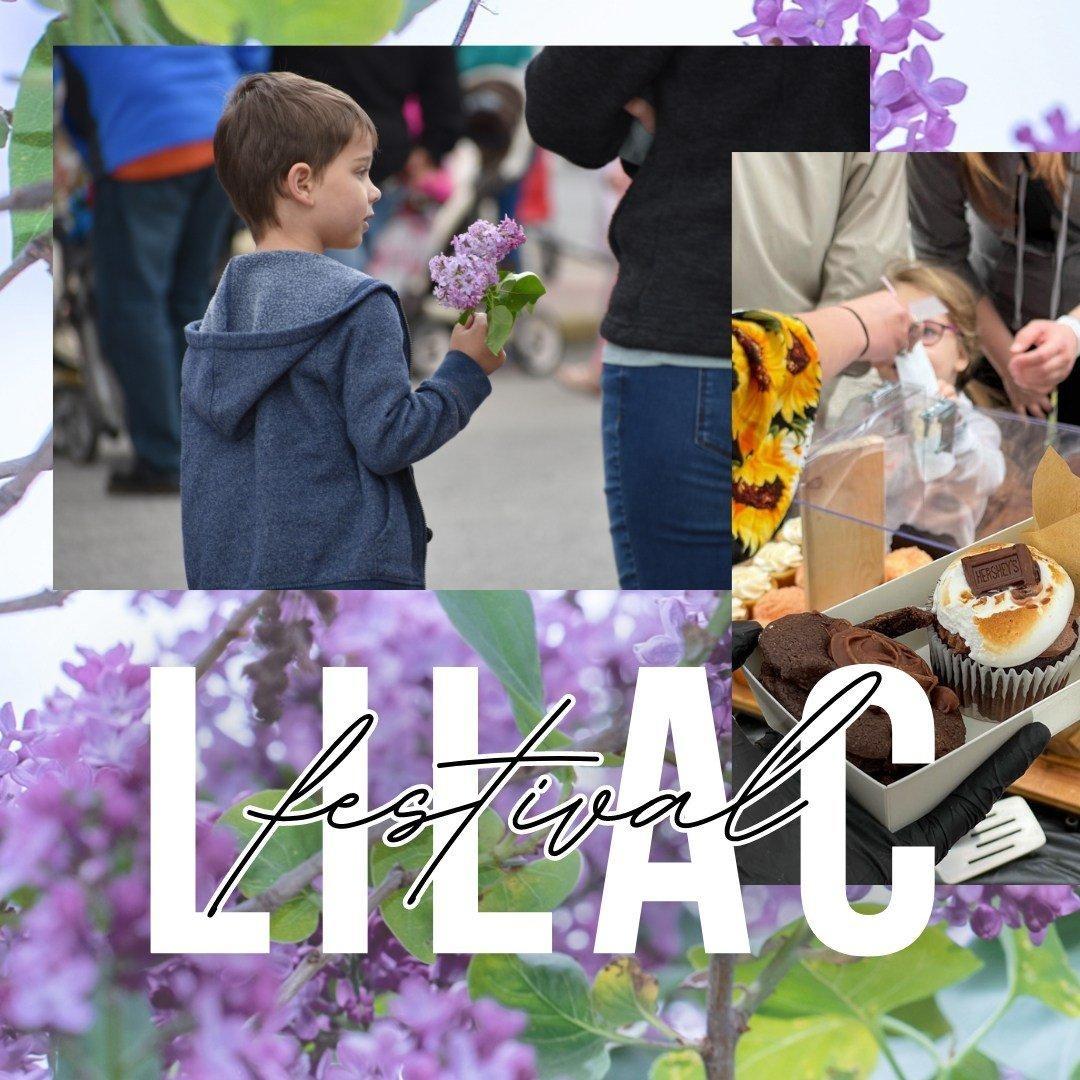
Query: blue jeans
[667,468]
[155,245]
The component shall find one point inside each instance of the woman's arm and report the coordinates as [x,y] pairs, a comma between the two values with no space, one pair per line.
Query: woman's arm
[874,327]
[575,98]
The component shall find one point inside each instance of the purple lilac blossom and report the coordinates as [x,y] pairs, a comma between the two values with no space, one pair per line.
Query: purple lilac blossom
[462,279]
[819,21]
[1062,136]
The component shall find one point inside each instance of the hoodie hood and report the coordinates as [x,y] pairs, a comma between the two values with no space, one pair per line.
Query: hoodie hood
[294,298]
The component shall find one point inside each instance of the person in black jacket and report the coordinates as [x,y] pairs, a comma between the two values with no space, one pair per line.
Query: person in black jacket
[379,79]
[675,114]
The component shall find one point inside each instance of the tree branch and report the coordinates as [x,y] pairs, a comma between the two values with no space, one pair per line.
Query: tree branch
[38,248]
[287,887]
[231,631]
[28,470]
[721,1024]
[44,599]
[31,197]
[466,21]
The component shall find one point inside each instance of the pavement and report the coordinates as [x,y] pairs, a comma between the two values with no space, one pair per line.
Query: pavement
[516,500]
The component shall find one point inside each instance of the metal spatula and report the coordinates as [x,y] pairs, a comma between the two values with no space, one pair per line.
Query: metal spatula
[1009,831]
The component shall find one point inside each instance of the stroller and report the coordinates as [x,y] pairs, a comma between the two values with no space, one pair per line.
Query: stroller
[496,154]
[86,395]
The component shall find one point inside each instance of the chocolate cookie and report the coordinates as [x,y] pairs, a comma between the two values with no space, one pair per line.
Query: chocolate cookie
[894,624]
[798,647]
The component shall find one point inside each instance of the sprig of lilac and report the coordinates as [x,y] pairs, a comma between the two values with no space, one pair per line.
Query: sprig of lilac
[462,280]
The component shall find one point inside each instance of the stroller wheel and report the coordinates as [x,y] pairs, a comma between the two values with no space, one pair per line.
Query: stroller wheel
[75,426]
[430,343]
[537,345]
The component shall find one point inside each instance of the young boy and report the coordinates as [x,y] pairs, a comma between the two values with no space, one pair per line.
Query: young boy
[299,424]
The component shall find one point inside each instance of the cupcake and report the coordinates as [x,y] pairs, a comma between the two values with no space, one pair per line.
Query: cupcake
[777,603]
[748,585]
[903,560]
[1005,628]
[779,559]
[791,531]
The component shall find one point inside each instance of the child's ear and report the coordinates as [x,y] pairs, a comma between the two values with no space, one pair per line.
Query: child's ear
[299,183]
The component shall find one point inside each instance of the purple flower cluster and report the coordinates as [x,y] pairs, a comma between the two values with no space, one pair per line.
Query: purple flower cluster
[431,1033]
[987,909]
[462,279]
[682,624]
[906,100]
[1062,135]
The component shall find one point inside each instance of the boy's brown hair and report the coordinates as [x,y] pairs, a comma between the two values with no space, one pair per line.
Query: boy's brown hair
[271,121]
[953,291]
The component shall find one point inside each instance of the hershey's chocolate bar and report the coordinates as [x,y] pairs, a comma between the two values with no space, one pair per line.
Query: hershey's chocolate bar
[1003,568]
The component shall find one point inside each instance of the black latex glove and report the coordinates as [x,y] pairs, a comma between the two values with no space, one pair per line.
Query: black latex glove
[744,639]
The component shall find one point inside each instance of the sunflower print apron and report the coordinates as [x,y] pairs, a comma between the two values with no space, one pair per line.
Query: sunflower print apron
[775,393]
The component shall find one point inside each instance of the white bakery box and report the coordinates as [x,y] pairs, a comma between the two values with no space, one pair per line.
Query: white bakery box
[903,801]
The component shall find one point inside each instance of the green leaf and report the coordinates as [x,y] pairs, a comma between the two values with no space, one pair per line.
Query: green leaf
[925,1016]
[540,885]
[974,1065]
[867,988]
[121,1043]
[697,957]
[553,992]
[678,1065]
[500,327]
[30,157]
[623,993]
[146,23]
[297,919]
[517,291]
[804,1048]
[500,625]
[287,848]
[1044,972]
[412,926]
[286,22]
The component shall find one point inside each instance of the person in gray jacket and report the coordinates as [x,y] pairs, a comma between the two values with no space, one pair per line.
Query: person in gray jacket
[299,424]
[1009,224]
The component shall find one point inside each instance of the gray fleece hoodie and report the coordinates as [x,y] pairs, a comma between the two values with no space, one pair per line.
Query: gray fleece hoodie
[300,428]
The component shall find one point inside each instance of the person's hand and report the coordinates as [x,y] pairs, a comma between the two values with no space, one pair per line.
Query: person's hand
[1043,354]
[889,325]
[641,110]
[1026,402]
[775,859]
[469,339]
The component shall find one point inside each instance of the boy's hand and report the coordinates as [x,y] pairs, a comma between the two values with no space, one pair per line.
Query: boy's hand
[469,339]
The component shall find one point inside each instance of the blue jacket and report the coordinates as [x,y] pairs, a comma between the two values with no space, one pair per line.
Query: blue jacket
[146,98]
[300,428]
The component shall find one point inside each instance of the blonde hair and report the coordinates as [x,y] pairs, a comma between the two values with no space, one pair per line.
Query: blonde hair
[952,290]
[991,194]
[271,121]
